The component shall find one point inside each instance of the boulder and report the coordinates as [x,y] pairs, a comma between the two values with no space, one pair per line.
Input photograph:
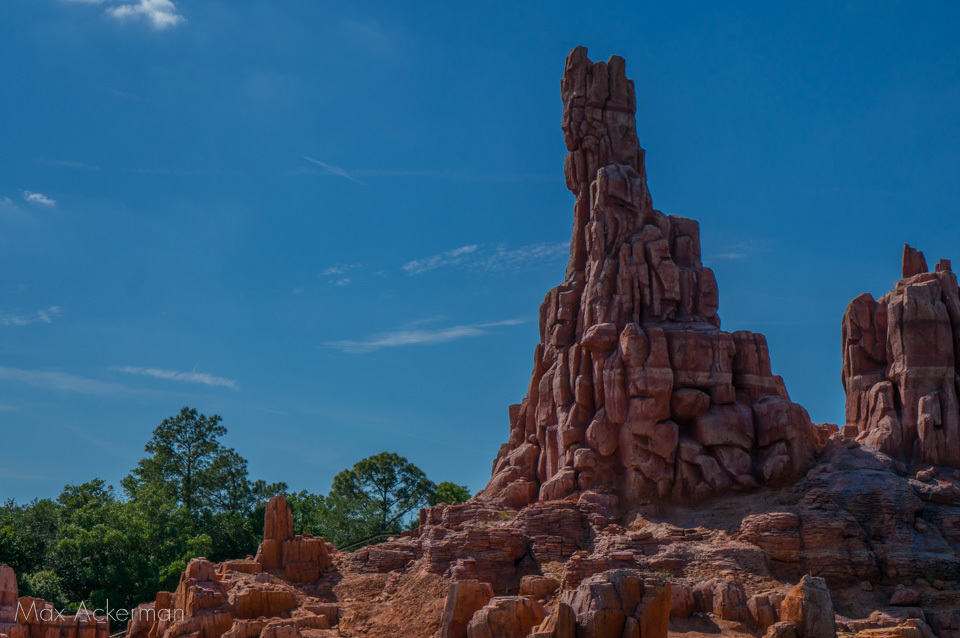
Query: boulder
[809,609]
[464,598]
[506,617]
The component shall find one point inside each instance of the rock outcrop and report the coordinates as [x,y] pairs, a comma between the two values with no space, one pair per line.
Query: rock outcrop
[809,609]
[901,357]
[635,391]
[256,596]
[301,558]
[27,617]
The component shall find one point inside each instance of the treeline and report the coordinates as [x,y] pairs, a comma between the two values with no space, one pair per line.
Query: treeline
[191,496]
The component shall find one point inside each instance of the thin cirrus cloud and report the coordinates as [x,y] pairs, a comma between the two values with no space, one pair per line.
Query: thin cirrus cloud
[441,260]
[330,169]
[63,381]
[183,377]
[160,14]
[489,257]
[741,250]
[335,275]
[419,337]
[38,199]
[47,315]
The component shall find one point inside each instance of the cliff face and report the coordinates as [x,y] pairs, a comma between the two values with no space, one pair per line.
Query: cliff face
[636,393]
[901,358]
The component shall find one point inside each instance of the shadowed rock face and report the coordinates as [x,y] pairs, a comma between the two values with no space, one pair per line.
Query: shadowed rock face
[900,365]
[636,393]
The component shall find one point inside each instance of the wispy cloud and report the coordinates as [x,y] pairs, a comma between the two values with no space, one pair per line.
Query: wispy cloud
[61,381]
[335,274]
[184,377]
[330,169]
[338,269]
[161,14]
[47,315]
[441,260]
[319,167]
[38,198]
[489,257]
[740,250]
[417,337]
[502,258]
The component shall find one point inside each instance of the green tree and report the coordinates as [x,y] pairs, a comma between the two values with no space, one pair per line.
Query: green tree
[27,533]
[190,466]
[373,497]
[450,493]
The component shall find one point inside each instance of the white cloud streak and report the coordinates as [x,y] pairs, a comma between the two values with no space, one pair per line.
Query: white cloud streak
[61,381]
[38,198]
[338,269]
[47,315]
[335,274]
[489,257]
[502,258]
[741,250]
[183,377]
[332,170]
[441,260]
[417,337]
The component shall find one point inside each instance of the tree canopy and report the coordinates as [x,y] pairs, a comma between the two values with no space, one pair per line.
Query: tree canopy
[190,496]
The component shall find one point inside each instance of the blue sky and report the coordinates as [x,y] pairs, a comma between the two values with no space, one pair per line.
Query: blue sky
[333,223]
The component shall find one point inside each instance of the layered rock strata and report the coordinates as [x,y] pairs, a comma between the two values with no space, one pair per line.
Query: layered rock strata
[901,358]
[244,598]
[635,391]
[27,617]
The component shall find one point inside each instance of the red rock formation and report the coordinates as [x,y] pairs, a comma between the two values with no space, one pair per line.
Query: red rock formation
[464,599]
[301,557]
[901,356]
[506,617]
[808,607]
[635,390]
[237,597]
[27,617]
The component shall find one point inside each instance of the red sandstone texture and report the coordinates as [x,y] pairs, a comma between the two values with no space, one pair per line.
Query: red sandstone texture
[901,357]
[658,481]
[636,393]
[26,617]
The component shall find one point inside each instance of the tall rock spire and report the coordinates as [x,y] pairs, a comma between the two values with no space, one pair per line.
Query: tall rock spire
[901,365]
[635,390]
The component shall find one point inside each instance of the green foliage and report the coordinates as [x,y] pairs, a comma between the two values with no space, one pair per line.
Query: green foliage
[449,493]
[190,496]
[374,496]
[189,465]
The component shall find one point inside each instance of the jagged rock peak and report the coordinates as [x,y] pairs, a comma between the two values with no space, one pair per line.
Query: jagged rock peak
[901,358]
[636,393]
